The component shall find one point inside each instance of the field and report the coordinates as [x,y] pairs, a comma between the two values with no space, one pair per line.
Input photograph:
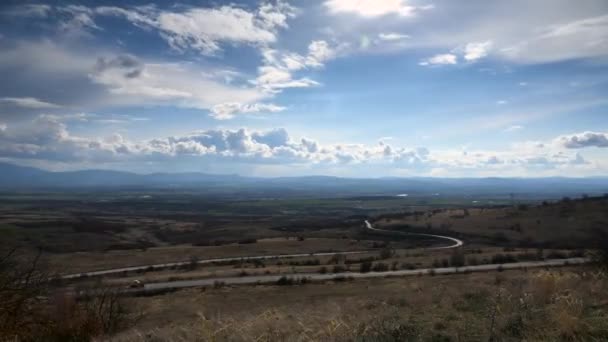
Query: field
[77,234]
[567,304]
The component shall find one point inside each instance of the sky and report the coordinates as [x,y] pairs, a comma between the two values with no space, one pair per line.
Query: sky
[353,88]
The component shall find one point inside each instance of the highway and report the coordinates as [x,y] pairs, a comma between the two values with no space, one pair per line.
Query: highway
[456,243]
[157,267]
[269,279]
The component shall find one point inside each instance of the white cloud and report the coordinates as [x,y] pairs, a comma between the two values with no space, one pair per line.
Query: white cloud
[441,59]
[581,38]
[79,22]
[204,29]
[371,8]
[278,67]
[470,52]
[392,36]
[48,139]
[514,128]
[502,102]
[132,81]
[319,52]
[582,140]
[475,51]
[28,102]
[228,110]
[31,10]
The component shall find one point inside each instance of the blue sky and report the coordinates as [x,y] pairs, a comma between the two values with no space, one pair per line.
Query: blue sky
[358,88]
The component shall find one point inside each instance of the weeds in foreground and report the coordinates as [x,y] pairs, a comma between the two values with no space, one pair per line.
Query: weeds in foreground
[539,306]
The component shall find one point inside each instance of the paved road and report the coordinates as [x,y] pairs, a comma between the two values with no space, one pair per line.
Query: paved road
[456,243]
[204,261]
[265,279]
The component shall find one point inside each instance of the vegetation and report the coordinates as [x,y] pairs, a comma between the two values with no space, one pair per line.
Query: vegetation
[31,309]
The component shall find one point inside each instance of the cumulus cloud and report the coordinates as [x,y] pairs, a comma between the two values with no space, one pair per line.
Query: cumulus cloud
[48,138]
[371,8]
[441,59]
[28,102]
[585,139]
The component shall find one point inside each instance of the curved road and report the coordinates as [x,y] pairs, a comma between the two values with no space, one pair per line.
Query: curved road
[156,267]
[456,243]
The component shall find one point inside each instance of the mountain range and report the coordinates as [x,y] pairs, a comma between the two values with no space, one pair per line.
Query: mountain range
[14,177]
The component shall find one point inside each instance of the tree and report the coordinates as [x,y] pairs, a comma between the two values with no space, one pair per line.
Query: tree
[23,285]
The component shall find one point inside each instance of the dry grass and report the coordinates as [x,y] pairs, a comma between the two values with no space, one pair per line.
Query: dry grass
[87,261]
[557,224]
[536,306]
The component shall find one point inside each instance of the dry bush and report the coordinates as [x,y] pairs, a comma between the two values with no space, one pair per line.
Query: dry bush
[32,310]
[23,286]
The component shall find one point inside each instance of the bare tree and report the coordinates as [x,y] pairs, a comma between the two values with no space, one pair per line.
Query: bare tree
[23,287]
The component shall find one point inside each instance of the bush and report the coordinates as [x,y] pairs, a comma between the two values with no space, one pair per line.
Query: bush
[338,269]
[503,259]
[472,261]
[285,281]
[336,259]
[600,254]
[30,312]
[365,267]
[556,255]
[457,258]
[380,267]
[386,253]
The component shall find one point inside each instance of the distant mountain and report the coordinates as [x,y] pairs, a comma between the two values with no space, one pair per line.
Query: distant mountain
[13,177]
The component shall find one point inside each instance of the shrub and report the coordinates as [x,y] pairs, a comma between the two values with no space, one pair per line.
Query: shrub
[457,258]
[503,259]
[365,267]
[556,255]
[600,254]
[336,259]
[386,253]
[30,312]
[380,267]
[285,281]
[338,269]
[472,261]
